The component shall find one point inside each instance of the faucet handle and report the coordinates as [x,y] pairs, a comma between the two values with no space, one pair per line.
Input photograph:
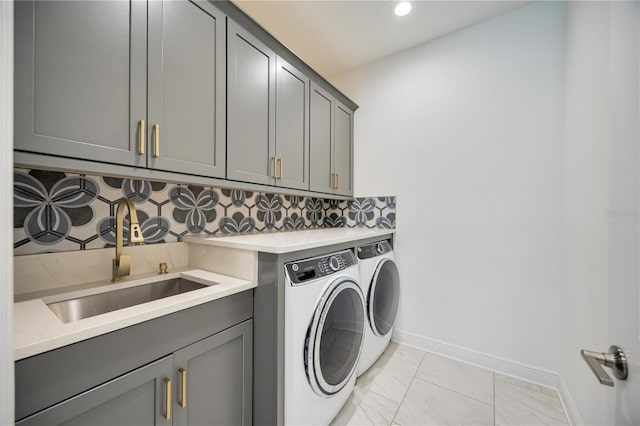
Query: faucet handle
[135,234]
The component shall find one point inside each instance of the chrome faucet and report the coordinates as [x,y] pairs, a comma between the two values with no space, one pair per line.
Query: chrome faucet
[122,263]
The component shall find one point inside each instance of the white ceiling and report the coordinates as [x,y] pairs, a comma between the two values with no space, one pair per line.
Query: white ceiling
[334,36]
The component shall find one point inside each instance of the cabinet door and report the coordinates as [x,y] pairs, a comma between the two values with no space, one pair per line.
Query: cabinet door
[292,127]
[186,127]
[218,377]
[250,107]
[80,78]
[321,140]
[136,398]
[343,151]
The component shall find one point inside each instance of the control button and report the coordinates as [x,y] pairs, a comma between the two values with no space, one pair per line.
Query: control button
[379,248]
[295,267]
[334,263]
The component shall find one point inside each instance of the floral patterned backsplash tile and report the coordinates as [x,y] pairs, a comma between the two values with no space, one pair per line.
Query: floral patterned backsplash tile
[57,211]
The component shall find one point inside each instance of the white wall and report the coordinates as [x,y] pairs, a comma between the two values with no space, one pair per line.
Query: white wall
[6,214]
[467,131]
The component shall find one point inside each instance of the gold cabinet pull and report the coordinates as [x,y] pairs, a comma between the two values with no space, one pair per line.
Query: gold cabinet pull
[275,162]
[183,375]
[156,134]
[141,137]
[337,180]
[167,386]
[280,160]
[333,181]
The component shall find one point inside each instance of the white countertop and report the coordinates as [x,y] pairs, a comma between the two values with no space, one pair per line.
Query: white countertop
[287,242]
[37,329]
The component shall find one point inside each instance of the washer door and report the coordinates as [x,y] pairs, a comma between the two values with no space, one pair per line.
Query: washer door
[334,338]
[382,300]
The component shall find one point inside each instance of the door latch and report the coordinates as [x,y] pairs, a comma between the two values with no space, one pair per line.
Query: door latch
[615,359]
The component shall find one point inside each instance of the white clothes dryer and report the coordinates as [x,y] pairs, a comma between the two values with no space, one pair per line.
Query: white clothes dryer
[324,331]
[381,288]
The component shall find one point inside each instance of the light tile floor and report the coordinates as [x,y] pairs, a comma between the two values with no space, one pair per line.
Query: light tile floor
[407,386]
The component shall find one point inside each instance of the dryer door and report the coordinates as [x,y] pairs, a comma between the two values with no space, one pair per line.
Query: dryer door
[382,300]
[334,338]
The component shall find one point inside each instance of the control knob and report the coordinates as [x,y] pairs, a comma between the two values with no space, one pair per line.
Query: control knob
[379,248]
[334,263]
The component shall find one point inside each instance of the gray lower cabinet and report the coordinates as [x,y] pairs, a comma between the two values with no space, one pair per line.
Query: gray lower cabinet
[126,82]
[251,82]
[136,398]
[80,78]
[192,367]
[216,374]
[331,144]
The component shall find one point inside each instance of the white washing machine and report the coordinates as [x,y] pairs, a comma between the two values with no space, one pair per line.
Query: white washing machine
[381,288]
[324,331]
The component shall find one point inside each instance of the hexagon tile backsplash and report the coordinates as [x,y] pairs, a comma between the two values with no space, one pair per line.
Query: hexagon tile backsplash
[58,211]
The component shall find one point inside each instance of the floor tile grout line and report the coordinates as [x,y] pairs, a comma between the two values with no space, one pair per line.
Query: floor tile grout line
[544,411]
[374,392]
[408,387]
[454,391]
[353,394]
[493,377]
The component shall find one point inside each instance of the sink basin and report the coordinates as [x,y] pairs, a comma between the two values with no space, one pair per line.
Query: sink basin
[84,307]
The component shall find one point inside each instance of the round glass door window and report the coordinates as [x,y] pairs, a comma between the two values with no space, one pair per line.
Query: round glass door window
[335,338]
[384,295]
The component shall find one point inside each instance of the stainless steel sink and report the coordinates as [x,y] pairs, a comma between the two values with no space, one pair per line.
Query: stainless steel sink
[88,306]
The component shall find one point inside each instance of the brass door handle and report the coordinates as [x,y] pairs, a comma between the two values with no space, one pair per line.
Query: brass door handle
[167,386]
[275,162]
[156,135]
[280,175]
[615,359]
[141,137]
[337,180]
[183,400]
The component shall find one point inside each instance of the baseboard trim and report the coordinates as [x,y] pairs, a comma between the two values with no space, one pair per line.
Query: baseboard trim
[567,402]
[490,362]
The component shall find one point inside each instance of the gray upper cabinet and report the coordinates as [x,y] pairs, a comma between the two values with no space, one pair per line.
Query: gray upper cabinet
[94,82]
[217,375]
[331,143]
[176,90]
[80,80]
[321,140]
[343,152]
[251,82]
[186,110]
[136,398]
[292,127]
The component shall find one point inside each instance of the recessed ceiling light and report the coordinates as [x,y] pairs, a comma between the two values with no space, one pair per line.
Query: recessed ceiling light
[402,8]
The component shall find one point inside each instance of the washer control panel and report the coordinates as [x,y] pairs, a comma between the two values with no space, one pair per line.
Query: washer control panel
[374,249]
[318,267]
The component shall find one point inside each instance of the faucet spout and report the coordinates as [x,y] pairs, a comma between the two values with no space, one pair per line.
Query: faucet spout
[122,263]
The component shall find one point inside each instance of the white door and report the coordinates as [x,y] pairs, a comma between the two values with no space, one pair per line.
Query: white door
[623,407]
[622,403]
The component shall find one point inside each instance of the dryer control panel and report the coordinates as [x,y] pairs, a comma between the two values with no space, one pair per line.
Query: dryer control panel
[318,267]
[373,250]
